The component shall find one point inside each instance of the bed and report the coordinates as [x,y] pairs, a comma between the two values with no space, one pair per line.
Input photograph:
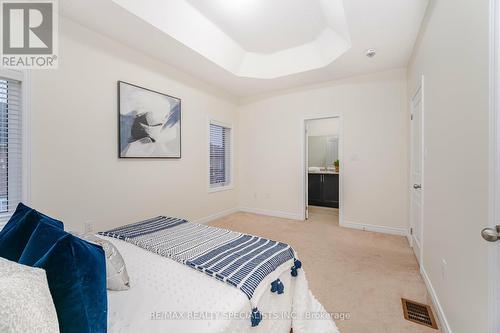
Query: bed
[158,275]
[168,296]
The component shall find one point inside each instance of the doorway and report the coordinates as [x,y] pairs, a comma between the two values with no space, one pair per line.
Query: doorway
[322,165]
[416,178]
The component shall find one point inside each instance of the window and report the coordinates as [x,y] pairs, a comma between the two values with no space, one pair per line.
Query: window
[220,156]
[11,147]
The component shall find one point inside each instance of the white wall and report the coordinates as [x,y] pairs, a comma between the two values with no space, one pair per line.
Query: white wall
[452,54]
[323,127]
[76,175]
[375,148]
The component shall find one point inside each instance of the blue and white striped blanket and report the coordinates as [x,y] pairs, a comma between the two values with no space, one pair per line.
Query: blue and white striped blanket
[240,260]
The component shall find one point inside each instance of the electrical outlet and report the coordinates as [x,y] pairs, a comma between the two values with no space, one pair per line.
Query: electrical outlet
[444,268]
[88,227]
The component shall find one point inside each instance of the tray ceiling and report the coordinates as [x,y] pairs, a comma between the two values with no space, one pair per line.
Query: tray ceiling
[259,39]
[251,47]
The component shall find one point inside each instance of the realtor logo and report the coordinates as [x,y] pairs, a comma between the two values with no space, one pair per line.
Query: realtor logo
[29,34]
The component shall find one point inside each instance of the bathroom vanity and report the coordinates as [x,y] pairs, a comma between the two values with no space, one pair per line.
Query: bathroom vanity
[323,189]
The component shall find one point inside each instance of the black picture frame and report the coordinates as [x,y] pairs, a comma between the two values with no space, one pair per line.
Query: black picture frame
[119,134]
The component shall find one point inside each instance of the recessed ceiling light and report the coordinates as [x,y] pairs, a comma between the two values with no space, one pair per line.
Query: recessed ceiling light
[370,53]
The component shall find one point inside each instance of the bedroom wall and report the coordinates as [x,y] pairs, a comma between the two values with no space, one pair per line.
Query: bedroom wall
[328,126]
[452,54]
[375,148]
[76,175]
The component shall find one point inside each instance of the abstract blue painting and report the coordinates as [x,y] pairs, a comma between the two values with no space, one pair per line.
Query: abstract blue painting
[149,124]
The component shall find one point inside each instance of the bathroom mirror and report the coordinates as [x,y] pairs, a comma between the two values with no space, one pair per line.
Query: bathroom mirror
[323,151]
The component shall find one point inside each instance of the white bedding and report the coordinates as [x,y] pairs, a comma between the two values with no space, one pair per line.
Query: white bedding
[166,296]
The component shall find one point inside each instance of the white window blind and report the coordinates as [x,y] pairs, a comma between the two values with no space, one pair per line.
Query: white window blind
[10,147]
[220,156]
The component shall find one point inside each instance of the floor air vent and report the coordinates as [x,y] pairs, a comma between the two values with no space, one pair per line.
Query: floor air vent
[418,313]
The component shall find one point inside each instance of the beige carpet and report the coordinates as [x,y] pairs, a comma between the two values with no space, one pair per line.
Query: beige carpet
[362,273]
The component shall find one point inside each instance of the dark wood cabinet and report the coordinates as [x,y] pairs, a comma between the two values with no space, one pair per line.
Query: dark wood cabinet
[323,190]
[315,188]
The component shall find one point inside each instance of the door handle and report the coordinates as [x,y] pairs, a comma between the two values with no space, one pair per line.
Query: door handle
[490,234]
[417,186]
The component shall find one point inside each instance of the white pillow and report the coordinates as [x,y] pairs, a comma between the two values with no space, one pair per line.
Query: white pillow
[116,272]
[26,304]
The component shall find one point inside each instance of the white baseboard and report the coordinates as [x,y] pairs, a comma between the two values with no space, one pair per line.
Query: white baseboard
[296,216]
[375,228]
[444,326]
[274,213]
[216,216]
[227,212]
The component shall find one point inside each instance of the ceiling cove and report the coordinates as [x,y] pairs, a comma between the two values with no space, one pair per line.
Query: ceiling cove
[258,39]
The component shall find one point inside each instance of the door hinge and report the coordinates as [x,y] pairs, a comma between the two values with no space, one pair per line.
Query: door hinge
[411,116]
[411,231]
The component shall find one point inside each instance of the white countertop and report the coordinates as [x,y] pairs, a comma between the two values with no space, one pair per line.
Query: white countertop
[325,172]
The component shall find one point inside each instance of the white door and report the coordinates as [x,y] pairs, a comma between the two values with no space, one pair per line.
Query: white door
[306,167]
[492,234]
[416,227]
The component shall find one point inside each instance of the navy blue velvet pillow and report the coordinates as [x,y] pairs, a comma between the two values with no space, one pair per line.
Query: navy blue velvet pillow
[42,239]
[76,272]
[21,211]
[17,232]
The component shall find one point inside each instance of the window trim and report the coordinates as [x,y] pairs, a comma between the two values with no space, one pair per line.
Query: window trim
[230,186]
[25,78]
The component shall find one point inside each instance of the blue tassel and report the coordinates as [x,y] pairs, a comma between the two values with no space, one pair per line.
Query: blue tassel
[281,287]
[296,265]
[274,286]
[256,317]
[277,286]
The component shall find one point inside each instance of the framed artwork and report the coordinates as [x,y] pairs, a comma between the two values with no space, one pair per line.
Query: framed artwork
[149,124]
